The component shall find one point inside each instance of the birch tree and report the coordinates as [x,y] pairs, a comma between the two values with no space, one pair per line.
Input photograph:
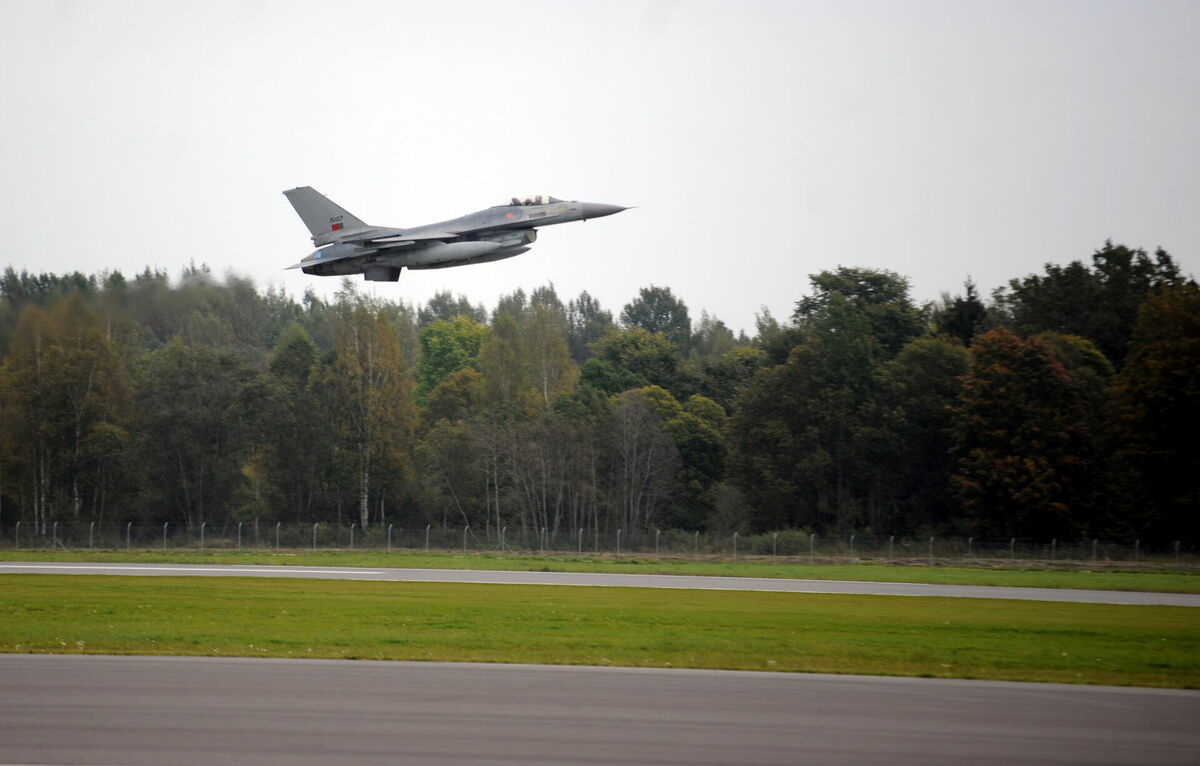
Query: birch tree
[372,407]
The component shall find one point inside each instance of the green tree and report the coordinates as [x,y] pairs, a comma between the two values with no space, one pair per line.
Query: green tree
[1019,441]
[450,460]
[63,412]
[713,339]
[925,381]
[455,398]
[447,345]
[962,317]
[870,299]
[812,438]
[373,408]
[506,390]
[586,323]
[1156,414]
[724,379]
[191,432]
[657,310]
[633,357]
[1098,303]
[296,444]
[548,358]
[444,307]
[642,462]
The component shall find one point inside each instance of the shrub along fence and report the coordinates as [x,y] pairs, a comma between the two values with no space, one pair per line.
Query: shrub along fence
[791,545]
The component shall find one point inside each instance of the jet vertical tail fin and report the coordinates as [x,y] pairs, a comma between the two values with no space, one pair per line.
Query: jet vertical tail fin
[320,214]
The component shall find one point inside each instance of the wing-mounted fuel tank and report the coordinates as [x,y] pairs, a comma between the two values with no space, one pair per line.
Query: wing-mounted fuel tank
[443,254]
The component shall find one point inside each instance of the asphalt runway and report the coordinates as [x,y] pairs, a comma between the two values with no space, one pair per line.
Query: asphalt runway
[183,711]
[614,580]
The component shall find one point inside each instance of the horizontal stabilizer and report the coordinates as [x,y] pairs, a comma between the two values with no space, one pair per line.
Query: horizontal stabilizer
[327,255]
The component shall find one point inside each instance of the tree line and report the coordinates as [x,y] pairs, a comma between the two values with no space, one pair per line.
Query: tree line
[1064,405]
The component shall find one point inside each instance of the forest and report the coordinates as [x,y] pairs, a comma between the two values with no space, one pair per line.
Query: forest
[1065,404]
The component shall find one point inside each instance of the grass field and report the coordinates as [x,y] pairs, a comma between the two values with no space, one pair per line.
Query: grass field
[953,638]
[1097,579]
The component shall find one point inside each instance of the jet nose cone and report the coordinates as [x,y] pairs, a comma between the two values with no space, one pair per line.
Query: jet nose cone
[599,209]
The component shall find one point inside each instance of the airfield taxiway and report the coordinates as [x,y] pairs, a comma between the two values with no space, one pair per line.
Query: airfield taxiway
[612,580]
[181,711]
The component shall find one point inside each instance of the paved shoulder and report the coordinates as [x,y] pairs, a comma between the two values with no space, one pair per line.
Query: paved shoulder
[180,711]
[617,580]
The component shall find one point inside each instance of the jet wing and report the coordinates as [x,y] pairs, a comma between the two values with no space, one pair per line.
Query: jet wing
[402,240]
[368,235]
[372,236]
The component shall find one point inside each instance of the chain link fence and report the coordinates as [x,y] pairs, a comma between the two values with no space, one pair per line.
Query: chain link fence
[790,545]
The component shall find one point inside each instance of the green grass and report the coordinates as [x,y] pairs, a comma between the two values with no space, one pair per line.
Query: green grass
[1032,576]
[953,638]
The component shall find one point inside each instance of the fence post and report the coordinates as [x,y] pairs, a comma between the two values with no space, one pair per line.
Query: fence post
[314,531]
[503,538]
[657,532]
[427,537]
[775,546]
[580,551]
[618,541]
[54,536]
[165,523]
[17,541]
[1053,548]
[91,532]
[735,546]
[277,534]
[467,527]
[697,550]
[1093,550]
[892,549]
[970,547]
[389,548]
[812,546]
[203,524]
[1012,548]
[1137,549]
[851,546]
[352,526]
[239,535]
[128,534]
[931,551]
[542,540]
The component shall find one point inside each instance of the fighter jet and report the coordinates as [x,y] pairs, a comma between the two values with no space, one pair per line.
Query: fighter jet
[346,245]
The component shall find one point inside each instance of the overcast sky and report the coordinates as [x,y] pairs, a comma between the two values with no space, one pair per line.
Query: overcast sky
[762,141]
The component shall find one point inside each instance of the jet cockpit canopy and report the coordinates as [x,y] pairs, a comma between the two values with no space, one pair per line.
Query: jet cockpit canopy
[535,199]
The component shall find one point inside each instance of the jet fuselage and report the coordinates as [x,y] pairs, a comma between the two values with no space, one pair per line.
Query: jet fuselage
[346,245]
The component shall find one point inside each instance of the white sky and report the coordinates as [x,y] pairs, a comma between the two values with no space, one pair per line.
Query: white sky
[762,141]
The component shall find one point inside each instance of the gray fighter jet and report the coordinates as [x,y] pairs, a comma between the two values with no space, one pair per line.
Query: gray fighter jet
[346,245]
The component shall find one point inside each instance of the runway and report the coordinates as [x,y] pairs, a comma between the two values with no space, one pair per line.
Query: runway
[614,580]
[181,711]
